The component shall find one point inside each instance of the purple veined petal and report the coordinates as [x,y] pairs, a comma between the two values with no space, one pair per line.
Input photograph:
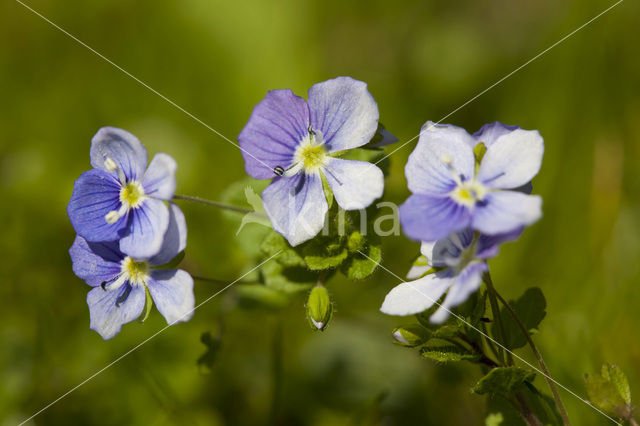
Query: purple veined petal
[464,284]
[172,293]
[355,184]
[512,160]
[489,245]
[175,239]
[147,227]
[95,263]
[124,149]
[159,181]
[109,310]
[506,211]
[296,206]
[345,112]
[276,127]
[492,131]
[96,193]
[426,218]
[447,251]
[413,297]
[427,170]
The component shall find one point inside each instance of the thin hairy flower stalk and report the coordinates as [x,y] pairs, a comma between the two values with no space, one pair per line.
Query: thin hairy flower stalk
[490,344]
[508,360]
[633,421]
[210,203]
[534,349]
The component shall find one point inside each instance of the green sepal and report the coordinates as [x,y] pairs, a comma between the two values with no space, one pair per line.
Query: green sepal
[448,353]
[356,242]
[213,344]
[411,335]
[319,308]
[530,309]
[148,304]
[503,380]
[173,263]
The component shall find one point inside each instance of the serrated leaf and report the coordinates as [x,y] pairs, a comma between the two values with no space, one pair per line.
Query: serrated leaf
[530,309]
[448,353]
[610,391]
[363,263]
[503,380]
[620,383]
[275,243]
[324,253]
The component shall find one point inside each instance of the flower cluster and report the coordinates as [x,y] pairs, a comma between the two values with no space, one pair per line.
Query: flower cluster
[470,194]
[126,229]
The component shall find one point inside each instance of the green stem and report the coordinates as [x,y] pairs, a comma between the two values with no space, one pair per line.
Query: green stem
[534,349]
[528,415]
[633,421]
[497,319]
[210,203]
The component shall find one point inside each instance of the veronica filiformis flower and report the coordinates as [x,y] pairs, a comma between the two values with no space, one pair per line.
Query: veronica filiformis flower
[121,199]
[453,265]
[297,143]
[453,189]
[120,281]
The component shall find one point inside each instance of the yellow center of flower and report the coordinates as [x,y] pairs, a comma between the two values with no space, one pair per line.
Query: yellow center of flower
[312,156]
[468,193]
[132,194]
[137,271]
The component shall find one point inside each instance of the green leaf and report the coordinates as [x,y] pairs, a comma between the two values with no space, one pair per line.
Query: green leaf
[148,304]
[288,279]
[610,391]
[361,265]
[530,309]
[213,344]
[319,308]
[503,380]
[448,353]
[274,243]
[448,331]
[324,252]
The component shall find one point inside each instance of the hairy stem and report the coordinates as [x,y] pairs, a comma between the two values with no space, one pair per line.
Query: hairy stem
[210,203]
[496,318]
[534,349]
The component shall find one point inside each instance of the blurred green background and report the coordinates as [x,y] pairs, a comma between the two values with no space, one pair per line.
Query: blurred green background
[421,59]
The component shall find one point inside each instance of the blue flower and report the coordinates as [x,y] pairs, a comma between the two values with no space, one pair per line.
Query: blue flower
[452,192]
[119,199]
[458,261]
[120,282]
[296,142]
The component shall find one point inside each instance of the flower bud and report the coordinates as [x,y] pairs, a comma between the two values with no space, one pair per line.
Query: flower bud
[411,335]
[319,308]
